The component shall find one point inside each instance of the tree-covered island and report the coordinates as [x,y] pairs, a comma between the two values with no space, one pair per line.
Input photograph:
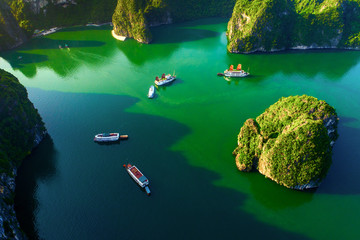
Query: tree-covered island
[290,143]
[21,129]
[273,25]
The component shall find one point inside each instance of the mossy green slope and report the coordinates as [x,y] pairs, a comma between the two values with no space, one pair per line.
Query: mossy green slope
[284,24]
[290,142]
[11,34]
[129,18]
[21,127]
[132,18]
[21,17]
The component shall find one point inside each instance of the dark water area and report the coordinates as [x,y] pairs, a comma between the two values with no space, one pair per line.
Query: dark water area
[182,140]
[183,203]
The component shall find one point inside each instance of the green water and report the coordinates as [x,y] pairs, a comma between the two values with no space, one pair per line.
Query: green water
[182,140]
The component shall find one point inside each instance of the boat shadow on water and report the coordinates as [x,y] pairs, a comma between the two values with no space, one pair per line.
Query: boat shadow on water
[249,78]
[173,83]
[109,143]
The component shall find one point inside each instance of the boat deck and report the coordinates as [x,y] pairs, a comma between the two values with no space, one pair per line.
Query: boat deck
[136,172]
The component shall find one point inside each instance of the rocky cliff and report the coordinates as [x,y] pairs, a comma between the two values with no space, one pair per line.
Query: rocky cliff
[132,18]
[21,129]
[290,143]
[273,25]
[11,35]
[20,18]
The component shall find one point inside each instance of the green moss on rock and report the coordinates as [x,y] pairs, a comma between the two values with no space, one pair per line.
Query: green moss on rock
[132,18]
[290,142]
[280,24]
[21,127]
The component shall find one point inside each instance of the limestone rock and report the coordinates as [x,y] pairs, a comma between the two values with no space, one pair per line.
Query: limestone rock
[290,143]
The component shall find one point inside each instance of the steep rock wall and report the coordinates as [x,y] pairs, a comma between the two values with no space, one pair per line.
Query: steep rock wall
[273,25]
[11,35]
[132,18]
[21,129]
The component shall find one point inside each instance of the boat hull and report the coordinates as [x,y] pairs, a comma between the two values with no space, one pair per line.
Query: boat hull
[151,92]
[236,74]
[103,137]
[135,174]
[168,79]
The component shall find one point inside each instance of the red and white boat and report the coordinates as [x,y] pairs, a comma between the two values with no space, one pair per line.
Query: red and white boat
[235,73]
[139,178]
[106,137]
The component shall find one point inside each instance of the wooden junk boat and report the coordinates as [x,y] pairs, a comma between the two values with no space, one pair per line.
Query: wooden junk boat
[138,177]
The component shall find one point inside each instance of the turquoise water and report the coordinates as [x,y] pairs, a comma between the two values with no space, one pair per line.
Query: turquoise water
[182,140]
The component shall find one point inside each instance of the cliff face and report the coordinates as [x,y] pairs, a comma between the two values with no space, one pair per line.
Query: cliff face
[19,18]
[129,19]
[21,129]
[11,35]
[132,18]
[290,143]
[273,25]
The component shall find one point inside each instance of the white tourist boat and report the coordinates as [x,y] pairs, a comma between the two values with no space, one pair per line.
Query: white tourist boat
[138,177]
[165,79]
[235,73]
[151,92]
[106,137]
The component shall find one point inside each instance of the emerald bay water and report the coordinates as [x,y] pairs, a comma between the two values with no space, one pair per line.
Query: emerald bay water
[182,140]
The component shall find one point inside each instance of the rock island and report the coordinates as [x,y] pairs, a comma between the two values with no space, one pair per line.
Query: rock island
[290,143]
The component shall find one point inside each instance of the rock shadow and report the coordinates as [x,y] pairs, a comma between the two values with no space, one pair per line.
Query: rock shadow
[333,64]
[38,166]
[62,61]
[343,176]
[274,196]
[180,34]
[170,35]
[48,43]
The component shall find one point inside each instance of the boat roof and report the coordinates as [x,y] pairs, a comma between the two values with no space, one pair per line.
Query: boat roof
[138,174]
[143,179]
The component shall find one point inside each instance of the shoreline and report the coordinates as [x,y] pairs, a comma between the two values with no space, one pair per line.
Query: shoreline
[44,32]
[117,37]
[296,48]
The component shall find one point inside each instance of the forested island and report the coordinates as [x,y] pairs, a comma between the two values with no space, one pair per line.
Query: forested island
[267,26]
[22,129]
[20,18]
[133,18]
[290,143]
[274,25]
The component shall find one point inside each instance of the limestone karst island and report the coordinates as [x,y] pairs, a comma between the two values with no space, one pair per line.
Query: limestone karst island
[290,143]
[118,119]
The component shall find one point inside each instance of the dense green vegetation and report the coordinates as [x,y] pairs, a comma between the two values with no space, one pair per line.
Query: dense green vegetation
[282,24]
[10,32]
[290,142]
[132,18]
[52,15]
[19,122]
